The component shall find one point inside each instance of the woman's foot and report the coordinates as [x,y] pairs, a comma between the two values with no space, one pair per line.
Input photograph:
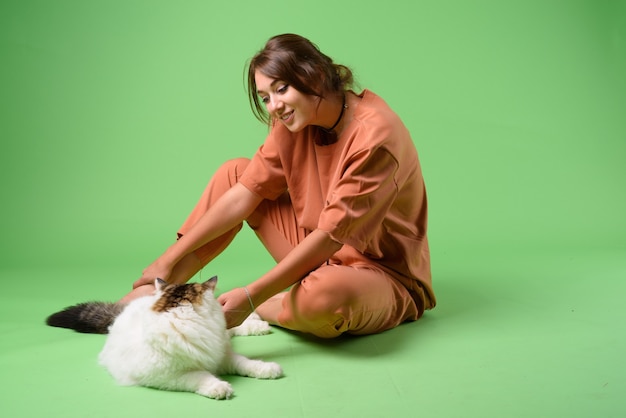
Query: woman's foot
[270,309]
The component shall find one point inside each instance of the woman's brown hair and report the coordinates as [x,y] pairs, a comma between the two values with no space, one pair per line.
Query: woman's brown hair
[298,62]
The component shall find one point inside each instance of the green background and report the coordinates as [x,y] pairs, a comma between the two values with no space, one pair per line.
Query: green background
[114,115]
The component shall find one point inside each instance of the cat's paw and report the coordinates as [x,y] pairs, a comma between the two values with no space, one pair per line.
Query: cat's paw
[254,317]
[268,370]
[217,389]
[253,325]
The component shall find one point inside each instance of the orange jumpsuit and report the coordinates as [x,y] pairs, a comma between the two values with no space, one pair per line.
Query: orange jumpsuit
[367,192]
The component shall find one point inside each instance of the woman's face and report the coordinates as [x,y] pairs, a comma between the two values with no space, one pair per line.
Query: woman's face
[285,104]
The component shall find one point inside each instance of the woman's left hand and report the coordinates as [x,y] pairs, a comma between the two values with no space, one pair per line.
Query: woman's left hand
[236,306]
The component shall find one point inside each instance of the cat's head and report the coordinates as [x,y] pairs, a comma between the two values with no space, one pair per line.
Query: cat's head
[175,295]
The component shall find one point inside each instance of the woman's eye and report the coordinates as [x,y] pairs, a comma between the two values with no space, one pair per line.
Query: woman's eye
[282,89]
[265,99]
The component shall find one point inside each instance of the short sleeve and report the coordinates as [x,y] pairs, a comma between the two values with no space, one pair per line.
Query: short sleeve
[361,199]
[265,174]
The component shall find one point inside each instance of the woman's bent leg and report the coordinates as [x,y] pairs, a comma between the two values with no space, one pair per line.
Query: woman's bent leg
[275,224]
[223,179]
[336,299]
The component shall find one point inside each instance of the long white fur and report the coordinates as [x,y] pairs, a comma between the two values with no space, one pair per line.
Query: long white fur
[184,349]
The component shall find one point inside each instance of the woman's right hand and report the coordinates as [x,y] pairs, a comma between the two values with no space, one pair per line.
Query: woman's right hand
[158,269]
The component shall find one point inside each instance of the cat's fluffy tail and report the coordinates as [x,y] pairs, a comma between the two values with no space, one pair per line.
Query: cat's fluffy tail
[89,317]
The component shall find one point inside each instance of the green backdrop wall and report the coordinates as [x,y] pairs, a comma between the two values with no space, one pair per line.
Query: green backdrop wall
[114,114]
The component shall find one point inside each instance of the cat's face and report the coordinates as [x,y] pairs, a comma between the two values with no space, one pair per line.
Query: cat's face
[175,295]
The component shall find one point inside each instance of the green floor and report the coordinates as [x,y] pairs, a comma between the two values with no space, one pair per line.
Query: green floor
[114,114]
[530,335]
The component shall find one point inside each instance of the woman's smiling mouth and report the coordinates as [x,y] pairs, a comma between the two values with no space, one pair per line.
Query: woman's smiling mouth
[286,117]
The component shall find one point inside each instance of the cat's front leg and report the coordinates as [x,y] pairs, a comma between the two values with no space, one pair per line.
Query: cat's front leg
[244,366]
[215,388]
[252,325]
[205,384]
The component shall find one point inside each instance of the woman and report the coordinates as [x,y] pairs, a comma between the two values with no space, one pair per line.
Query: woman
[335,194]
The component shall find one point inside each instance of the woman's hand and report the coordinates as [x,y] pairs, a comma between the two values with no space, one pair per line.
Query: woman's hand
[236,306]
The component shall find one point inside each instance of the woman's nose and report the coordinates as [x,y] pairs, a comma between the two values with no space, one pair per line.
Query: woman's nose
[275,104]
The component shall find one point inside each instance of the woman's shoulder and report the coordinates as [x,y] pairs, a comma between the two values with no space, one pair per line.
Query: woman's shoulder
[374,114]
[373,110]
[370,100]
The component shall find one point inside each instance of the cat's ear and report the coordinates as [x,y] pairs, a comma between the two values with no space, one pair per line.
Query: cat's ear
[211,283]
[159,283]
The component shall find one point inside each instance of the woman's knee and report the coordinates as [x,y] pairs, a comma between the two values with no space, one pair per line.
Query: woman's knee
[233,169]
[340,299]
[316,306]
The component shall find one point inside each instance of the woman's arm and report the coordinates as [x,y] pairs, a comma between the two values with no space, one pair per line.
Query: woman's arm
[227,212]
[312,252]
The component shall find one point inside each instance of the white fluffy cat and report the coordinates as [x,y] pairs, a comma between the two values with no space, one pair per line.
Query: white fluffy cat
[175,340]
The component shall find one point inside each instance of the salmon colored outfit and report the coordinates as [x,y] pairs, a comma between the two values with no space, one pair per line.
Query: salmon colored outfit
[367,192]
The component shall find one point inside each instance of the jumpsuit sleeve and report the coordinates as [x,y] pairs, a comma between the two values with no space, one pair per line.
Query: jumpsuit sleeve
[265,174]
